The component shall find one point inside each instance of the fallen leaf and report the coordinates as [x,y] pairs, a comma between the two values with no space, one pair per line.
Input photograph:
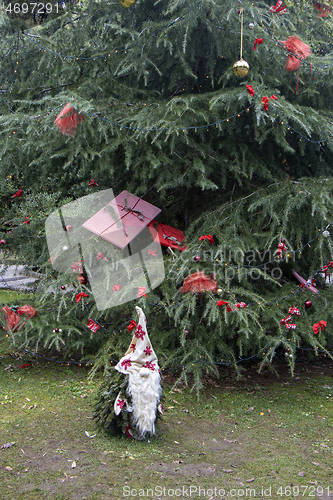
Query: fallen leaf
[250,480]
[7,445]
[178,390]
[301,474]
[73,464]
[250,409]
[176,442]
[8,468]
[233,441]
[315,463]
[323,445]
[227,470]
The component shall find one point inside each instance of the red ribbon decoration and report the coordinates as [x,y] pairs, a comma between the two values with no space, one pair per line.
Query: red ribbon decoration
[208,237]
[2,241]
[258,41]
[77,267]
[323,270]
[281,248]
[92,183]
[294,310]
[79,296]
[285,321]
[241,305]
[278,8]
[93,326]
[132,325]
[101,256]
[223,302]
[141,292]
[265,100]
[27,221]
[319,326]
[18,194]
[250,90]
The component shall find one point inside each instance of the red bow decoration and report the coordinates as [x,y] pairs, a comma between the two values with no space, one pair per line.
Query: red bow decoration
[281,248]
[27,221]
[250,90]
[116,287]
[68,120]
[300,51]
[323,270]
[223,302]
[265,101]
[25,365]
[319,326]
[152,252]
[294,310]
[18,194]
[132,325]
[93,326]
[285,321]
[13,316]
[77,267]
[101,256]
[278,8]
[141,292]
[208,237]
[92,183]
[257,41]
[79,296]
[2,241]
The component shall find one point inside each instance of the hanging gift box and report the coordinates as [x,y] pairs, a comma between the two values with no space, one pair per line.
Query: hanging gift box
[121,220]
[167,236]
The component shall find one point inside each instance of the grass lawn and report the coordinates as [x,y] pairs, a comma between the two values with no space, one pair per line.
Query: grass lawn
[263,437]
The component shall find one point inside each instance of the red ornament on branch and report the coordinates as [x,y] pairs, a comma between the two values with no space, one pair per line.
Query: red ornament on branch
[68,120]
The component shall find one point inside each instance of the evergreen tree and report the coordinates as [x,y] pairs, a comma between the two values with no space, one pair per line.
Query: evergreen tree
[246,160]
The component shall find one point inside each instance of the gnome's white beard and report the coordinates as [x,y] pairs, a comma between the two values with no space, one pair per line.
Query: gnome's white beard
[145,392]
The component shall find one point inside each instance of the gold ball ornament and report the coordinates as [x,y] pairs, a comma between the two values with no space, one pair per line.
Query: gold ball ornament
[219,291]
[127,3]
[241,68]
